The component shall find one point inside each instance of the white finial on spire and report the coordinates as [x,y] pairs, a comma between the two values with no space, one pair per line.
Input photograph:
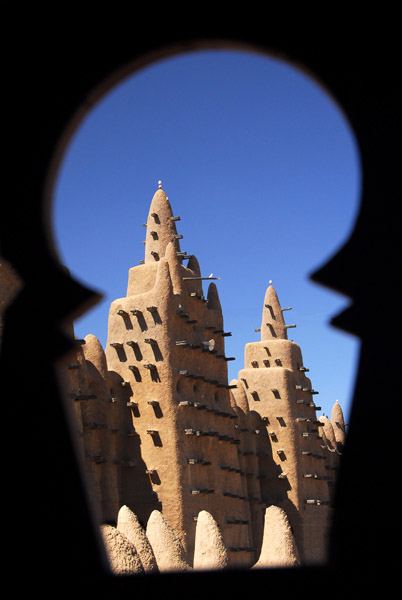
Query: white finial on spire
[159,184]
[270,281]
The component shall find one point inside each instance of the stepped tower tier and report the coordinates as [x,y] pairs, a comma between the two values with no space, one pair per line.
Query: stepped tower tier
[166,349]
[278,389]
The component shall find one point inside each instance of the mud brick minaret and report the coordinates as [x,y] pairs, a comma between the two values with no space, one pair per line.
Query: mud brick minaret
[166,347]
[294,476]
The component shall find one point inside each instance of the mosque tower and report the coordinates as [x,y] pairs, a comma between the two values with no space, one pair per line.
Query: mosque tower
[166,352]
[294,477]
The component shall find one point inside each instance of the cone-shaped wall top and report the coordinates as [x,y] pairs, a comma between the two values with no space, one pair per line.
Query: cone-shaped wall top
[338,423]
[194,266]
[210,551]
[161,227]
[94,353]
[239,397]
[213,297]
[273,324]
[278,546]
[328,431]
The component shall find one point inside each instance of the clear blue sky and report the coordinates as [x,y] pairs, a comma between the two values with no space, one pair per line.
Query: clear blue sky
[264,171]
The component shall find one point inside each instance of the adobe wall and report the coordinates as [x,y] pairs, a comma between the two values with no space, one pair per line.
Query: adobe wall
[137,352]
[254,455]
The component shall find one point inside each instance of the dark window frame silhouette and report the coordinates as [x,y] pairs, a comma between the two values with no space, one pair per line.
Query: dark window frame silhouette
[362,81]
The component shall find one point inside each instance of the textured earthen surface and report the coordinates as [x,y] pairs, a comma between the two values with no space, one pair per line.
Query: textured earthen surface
[166,545]
[338,423]
[123,557]
[279,546]
[210,551]
[128,525]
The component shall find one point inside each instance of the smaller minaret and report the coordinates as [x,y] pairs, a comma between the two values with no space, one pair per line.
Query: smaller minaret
[278,390]
[273,324]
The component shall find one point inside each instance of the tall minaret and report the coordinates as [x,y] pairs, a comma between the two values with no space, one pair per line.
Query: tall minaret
[161,227]
[277,388]
[166,349]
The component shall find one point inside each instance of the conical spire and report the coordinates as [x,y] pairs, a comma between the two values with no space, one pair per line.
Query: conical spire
[327,432]
[166,544]
[194,266]
[278,546]
[338,423]
[129,525]
[239,396]
[94,353]
[273,324]
[161,227]
[213,297]
[210,552]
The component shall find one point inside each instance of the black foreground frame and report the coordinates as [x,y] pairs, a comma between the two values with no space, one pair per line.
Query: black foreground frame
[56,70]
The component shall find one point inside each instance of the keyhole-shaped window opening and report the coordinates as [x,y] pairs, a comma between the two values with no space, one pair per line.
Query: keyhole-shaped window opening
[261,165]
